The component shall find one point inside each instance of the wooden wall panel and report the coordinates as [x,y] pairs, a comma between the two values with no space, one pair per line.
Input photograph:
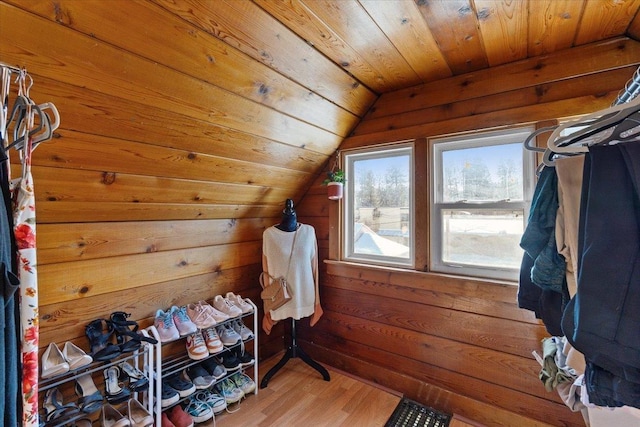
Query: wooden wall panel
[114,70]
[72,280]
[103,126]
[61,319]
[195,53]
[186,125]
[604,84]
[81,241]
[175,151]
[561,65]
[455,343]
[270,42]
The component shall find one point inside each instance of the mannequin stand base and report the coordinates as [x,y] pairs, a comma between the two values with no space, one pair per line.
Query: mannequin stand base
[292,352]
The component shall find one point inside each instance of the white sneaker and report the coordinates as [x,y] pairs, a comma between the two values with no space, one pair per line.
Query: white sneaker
[196,347]
[226,306]
[227,335]
[216,402]
[240,302]
[199,411]
[243,382]
[212,340]
[229,391]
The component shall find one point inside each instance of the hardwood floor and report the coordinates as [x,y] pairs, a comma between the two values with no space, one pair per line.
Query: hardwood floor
[298,396]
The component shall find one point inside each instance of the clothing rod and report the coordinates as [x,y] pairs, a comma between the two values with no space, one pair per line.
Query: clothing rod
[10,67]
[631,89]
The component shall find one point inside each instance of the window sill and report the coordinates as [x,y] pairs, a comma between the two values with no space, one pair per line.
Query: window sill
[409,277]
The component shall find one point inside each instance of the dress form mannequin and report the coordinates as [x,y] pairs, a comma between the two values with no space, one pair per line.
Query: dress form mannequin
[289,224]
[289,220]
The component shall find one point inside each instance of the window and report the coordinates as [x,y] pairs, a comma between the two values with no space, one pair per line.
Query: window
[378,208]
[480,197]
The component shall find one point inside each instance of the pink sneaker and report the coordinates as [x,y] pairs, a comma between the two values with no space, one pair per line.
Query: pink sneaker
[214,312]
[201,315]
[166,328]
[226,306]
[241,303]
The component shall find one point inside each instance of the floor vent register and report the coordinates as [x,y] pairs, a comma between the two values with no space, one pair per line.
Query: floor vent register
[412,414]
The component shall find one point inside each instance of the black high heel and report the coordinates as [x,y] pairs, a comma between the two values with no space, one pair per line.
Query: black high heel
[101,349]
[115,391]
[122,327]
[138,381]
[54,408]
[90,397]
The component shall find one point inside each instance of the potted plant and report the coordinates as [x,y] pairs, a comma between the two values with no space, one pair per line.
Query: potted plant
[335,183]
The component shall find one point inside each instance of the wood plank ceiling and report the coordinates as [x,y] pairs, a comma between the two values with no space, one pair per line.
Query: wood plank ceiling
[357,50]
[269,88]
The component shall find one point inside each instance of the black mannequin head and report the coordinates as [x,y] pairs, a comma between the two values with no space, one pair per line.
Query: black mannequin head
[289,220]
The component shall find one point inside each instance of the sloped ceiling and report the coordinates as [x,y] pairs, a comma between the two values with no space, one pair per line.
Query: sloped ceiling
[388,45]
[261,93]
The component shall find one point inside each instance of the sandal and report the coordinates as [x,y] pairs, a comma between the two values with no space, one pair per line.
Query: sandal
[116,393]
[90,397]
[123,331]
[138,381]
[53,407]
[101,349]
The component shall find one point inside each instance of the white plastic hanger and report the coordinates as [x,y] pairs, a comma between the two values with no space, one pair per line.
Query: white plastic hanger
[601,121]
[535,133]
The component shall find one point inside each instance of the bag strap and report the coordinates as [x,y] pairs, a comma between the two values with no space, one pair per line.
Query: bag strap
[262,284]
[295,234]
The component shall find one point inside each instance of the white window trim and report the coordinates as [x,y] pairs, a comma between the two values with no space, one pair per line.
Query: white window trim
[437,146]
[348,158]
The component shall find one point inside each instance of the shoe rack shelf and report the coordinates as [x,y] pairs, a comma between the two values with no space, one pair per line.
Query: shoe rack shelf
[142,359]
[177,363]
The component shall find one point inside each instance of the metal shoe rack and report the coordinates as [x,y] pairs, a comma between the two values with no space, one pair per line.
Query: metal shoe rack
[177,363]
[142,359]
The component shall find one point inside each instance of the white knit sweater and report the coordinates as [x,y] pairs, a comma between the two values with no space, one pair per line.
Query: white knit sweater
[303,272]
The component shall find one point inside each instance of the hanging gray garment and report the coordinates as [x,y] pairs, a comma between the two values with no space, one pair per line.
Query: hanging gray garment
[9,363]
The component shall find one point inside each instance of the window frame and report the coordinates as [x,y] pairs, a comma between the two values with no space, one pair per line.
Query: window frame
[437,146]
[348,213]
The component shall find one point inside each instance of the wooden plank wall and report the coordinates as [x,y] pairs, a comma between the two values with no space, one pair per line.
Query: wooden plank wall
[456,344]
[178,147]
[170,163]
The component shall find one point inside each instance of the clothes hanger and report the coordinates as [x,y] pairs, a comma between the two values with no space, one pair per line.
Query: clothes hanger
[42,132]
[25,112]
[600,121]
[547,157]
[535,133]
[49,126]
[54,110]
[25,121]
[4,99]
